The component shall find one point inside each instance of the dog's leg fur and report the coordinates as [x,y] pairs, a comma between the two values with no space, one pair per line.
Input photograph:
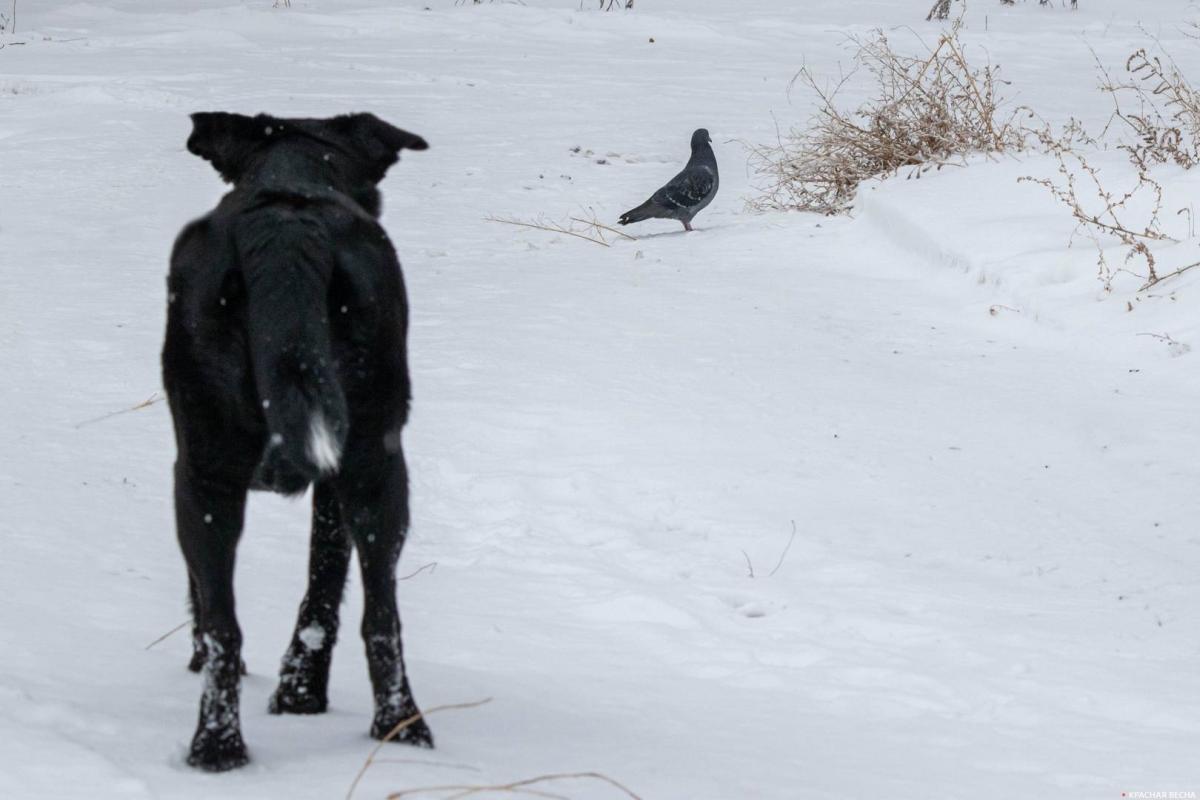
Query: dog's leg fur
[209,512]
[198,651]
[304,674]
[375,505]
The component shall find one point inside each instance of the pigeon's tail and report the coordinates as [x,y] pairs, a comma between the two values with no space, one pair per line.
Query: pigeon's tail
[644,211]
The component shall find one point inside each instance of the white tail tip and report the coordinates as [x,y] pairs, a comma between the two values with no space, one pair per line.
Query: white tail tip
[323,447]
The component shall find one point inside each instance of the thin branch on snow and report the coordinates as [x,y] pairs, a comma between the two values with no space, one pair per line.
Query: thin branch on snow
[593,230]
[149,401]
[783,555]
[431,566]
[594,224]
[516,787]
[394,732]
[169,633]
[1173,274]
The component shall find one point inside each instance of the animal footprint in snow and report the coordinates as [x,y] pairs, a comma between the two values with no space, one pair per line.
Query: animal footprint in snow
[751,608]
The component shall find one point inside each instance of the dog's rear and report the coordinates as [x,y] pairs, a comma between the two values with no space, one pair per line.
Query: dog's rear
[287,264]
[284,366]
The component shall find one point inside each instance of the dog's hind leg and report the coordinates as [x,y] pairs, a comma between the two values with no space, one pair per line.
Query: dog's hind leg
[198,650]
[304,674]
[208,513]
[375,504]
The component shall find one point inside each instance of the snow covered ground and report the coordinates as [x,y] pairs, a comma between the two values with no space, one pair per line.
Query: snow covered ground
[992,589]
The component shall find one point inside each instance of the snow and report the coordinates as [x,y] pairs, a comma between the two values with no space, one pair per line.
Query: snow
[991,590]
[313,636]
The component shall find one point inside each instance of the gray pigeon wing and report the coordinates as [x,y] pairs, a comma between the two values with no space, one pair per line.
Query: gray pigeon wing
[686,190]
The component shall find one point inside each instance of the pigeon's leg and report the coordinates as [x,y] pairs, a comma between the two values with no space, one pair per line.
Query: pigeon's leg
[687,226]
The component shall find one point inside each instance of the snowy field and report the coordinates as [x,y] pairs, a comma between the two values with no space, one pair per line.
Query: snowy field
[992,591]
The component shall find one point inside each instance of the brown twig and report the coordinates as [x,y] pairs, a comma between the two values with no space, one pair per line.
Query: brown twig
[594,224]
[516,787]
[431,566]
[783,555]
[166,635]
[1172,274]
[549,226]
[394,732]
[149,401]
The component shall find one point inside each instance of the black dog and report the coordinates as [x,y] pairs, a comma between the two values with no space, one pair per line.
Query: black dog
[285,366]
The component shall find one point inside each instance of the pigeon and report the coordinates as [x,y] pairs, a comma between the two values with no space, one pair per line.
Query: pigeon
[687,193]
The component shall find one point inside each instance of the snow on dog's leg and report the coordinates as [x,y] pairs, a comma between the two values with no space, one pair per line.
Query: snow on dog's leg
[304,674]
[376,507]
[209,512]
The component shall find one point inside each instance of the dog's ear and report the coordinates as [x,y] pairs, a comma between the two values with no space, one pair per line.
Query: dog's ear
[377,143]
[225,140]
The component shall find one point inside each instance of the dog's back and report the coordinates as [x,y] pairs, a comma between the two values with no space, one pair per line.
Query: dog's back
[288,316]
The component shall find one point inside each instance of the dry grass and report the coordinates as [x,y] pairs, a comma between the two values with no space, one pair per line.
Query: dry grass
[591,230]
[1131,215]
[155,397]
[1158,105]
[394,732]
[525,786]
[521,787]
[1155,121]
[926,110]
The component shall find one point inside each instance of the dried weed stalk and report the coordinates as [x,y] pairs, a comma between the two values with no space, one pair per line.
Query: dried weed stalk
[522,787]
[591,230]
[154,397]
[1165,114]
[1100,211]
[927,110]
[1156,104]
[394,732]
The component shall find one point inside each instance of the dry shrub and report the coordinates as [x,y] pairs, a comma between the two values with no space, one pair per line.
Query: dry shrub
[1155,103]
[1165,113]
[1131,215]
[926,110]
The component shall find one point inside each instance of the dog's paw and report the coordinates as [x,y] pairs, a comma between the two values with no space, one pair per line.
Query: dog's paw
[291,698]
[217,751]
[416,733]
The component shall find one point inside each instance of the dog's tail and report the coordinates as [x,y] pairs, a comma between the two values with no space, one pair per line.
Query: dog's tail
[287,265]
